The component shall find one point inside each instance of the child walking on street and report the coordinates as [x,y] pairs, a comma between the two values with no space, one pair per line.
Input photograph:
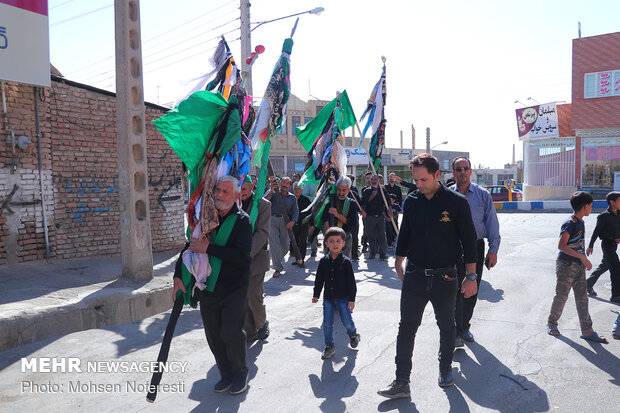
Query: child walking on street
[608,230]
[335,272]
[570,269]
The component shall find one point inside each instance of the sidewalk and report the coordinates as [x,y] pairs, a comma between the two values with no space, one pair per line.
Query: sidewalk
[41,300]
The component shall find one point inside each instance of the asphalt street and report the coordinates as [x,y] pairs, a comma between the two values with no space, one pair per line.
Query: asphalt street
[513,366]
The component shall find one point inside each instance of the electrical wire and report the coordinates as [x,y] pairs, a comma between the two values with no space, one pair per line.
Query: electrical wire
[112,72]
[81,15]
[161,34]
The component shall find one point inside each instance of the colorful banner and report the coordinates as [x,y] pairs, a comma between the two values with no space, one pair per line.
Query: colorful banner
[24,42]
[538,122]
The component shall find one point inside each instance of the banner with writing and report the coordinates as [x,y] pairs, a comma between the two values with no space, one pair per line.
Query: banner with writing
[538,122]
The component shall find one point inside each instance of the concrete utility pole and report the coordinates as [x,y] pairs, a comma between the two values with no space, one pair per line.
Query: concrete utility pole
[136,254]
[428,140]
[246,44]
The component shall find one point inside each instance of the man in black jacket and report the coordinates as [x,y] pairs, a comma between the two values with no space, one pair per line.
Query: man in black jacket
[436,223]
[223,309]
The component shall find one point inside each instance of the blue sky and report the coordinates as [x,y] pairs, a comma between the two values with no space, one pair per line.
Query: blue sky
[454,66]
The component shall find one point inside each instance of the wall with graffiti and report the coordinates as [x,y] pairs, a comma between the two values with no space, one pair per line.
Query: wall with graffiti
[80,177]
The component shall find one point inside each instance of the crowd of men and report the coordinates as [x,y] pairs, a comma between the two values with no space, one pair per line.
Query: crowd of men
[440,236]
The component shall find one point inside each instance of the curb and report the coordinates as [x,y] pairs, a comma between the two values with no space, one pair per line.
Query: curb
[100,309]
[561,205]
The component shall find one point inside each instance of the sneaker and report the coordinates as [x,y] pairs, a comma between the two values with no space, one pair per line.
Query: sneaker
[263,332]
[222,385]
[458,342]
[591,292]
[445,379]
[328,352]
[383,257]
[239,384]
[354,340]
[396,390]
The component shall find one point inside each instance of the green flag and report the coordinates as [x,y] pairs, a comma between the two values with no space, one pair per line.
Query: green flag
[196,124]
[343,116]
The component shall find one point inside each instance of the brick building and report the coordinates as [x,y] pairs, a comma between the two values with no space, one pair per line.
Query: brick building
[585,152]
[79,174]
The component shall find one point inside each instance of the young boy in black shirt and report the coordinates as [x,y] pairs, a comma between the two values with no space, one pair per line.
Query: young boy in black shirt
[608,230]
[335,271]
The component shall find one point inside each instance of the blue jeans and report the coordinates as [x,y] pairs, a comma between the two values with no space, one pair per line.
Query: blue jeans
[328,318]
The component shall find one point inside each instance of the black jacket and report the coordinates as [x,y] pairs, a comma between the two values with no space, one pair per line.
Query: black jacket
[337,276]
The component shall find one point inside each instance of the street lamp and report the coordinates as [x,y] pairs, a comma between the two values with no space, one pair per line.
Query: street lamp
[246,40]
[316,10]
[439,144]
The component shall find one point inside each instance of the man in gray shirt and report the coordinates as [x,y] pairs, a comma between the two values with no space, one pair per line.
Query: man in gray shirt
[487,226]
[279,240]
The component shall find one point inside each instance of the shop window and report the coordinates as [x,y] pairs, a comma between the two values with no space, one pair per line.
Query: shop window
[600,159]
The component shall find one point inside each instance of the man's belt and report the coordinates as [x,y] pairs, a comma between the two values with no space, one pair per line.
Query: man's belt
[375,215]
[277,215]
[429,272]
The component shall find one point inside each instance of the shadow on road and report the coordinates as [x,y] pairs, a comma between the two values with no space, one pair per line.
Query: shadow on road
[598,355]
[135,339]
[333,385]
[210,401]
[491,384]
[490,294]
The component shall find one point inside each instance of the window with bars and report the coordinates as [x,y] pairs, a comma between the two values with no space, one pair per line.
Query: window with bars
[550,162]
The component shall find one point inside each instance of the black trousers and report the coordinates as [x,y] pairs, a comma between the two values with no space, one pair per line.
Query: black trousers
[417,290]
[223,318]
[610,257]
[355,244]
[596,274]
[301,238]
[465,306]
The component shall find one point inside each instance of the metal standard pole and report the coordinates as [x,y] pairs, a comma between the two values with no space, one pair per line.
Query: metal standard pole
[38,129]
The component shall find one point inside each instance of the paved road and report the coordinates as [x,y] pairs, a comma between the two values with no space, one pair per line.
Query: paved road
[513,366]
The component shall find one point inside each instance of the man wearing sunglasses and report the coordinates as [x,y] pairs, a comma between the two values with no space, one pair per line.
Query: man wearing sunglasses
[487,226]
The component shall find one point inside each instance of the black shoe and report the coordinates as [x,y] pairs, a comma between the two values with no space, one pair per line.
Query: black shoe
[356,259]
[615,299]
[591,292]
[294,263]
[313,255]
[302,265]
[239,384]
[364,249]
[458,342]
[222,385]
[263,332]
[354,340]
[396,390]
[328,352]
[445,379]
[383,257]
[467,336]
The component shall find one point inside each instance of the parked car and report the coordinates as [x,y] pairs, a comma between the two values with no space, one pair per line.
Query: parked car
[500,193]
